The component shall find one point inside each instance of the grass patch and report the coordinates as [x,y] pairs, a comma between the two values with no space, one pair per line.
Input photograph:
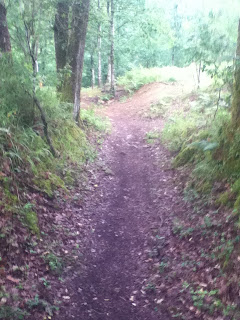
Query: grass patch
[91,92]
[136,78]
[158,110]
[152,136]
[90,118]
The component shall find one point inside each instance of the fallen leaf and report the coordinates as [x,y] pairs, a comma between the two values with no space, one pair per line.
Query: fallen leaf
[13,279]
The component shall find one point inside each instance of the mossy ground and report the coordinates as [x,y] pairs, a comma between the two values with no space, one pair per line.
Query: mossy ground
[184,157]
[30,180]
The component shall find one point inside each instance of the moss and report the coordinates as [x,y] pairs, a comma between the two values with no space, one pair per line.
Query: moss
[231,167]
[195,137]
[9,202]
[236,186]
[49,185]
[56,181]
[224,198]
[205,187]
[31,220]
[44,185]
[69,178]
[184,157]
[67,92]
[227,264]
[237,203]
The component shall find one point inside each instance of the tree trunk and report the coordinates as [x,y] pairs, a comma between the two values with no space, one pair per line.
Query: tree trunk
[93,72]
[79,25]
[112,84]
[109,72]
[45,125]
[5,43]
[198,72]
[236,87]
[99,52]
[108,80]
[61,34]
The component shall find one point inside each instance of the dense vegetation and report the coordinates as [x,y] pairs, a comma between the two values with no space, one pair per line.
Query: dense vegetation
[49,49]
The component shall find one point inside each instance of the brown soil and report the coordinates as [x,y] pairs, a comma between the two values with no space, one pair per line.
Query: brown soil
[133,197]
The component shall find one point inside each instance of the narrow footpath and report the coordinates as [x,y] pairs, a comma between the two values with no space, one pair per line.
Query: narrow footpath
[135,198]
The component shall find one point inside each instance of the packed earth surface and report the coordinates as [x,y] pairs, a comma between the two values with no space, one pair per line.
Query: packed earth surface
[134,266]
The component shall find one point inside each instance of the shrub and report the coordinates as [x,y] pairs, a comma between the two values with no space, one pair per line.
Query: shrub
[178,129]
[136,78]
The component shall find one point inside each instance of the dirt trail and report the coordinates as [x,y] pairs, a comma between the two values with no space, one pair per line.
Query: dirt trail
[134,197]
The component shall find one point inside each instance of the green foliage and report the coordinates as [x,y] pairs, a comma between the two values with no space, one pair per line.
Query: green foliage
[31,219]
[136,78]
[48,183]
[10,313]
[89,117]
[236,186]
[224,198]
[41,304]
[237,203]
[178,129]
[55,263]
[184,157]
[13,84]
[207,149]
[205,145]
[152,136]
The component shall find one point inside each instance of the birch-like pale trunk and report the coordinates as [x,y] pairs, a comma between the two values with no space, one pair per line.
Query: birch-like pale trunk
[99,52]
[112,83]
[108,80]
[93,79]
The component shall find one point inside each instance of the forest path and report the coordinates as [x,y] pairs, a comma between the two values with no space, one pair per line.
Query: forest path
[134,196]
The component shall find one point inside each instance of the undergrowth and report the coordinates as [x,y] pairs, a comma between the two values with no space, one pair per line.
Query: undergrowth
[207,150]
[196,133]
[23,149]
[30,176]
[137,77]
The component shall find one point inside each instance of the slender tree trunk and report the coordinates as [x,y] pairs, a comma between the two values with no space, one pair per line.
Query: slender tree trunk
[5,43]
[198,72]
[80,23]
[61,34]
[45,125]
[108,81]
[236,87]
[99,51]
[93,72]
[109,72]
[112,84]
